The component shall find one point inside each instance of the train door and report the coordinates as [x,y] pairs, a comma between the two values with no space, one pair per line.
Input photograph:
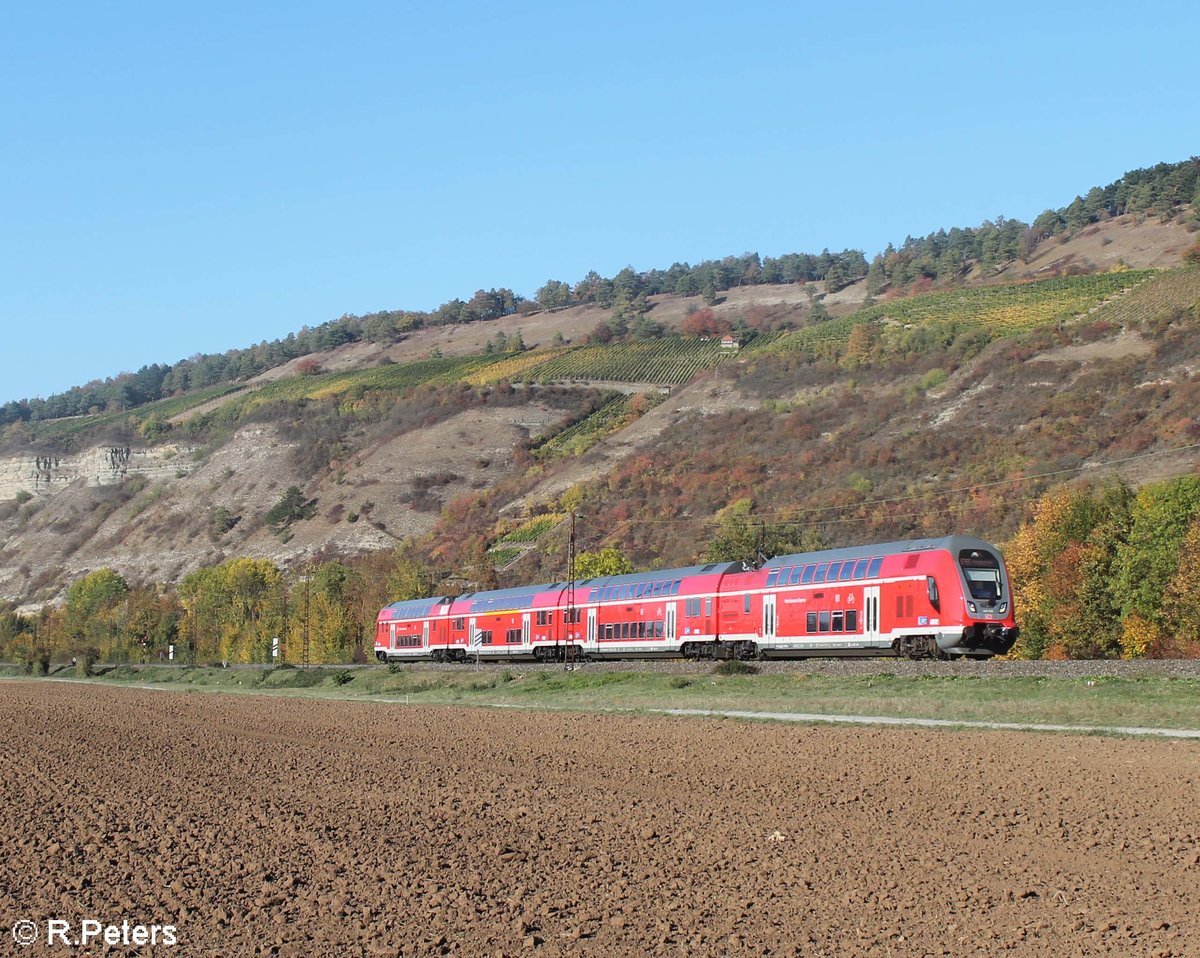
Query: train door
[425,634]
[770,624]
[871,612]
[473,632]
[591,629]
[393,636]
[670,627]
[525,629]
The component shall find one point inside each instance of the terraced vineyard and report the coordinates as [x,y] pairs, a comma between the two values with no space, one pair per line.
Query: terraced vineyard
[669,362]
[520,540]
[1000,310]
[578,438]
[532,529]
[513,368]
[1168,291]
[353,385]
[164,408]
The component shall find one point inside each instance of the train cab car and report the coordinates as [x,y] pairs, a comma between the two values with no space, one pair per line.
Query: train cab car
[917,598]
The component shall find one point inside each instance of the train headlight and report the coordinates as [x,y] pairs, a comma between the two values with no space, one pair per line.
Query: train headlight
[1002,608]
[971,608]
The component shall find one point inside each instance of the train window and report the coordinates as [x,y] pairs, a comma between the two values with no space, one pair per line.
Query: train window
[824,621]
[810,622]
[819,576]
[838,618]
[485,637]
[460,624]
[852,620]
[608,630]
[808,574]
[832,574]
[772,578]
[847,571]
[645,629]
[982,570]
[675,586]
[746,604]
[658,629]
[860,568]
[794,578]
[708,606]
[874,567]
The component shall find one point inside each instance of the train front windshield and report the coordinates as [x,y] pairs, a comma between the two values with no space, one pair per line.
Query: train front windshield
[982,570]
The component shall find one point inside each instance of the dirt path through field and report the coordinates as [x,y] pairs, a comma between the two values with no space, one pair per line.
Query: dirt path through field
[297,827]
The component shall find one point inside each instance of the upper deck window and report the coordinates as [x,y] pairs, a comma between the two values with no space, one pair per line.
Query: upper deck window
[820,574]
[772,576]
[860,568]
[874,567]
[794,578]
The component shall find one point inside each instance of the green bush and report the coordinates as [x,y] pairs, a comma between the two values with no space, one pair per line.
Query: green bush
[735,667]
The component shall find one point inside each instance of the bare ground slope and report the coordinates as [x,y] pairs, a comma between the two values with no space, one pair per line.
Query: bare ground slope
[288,827]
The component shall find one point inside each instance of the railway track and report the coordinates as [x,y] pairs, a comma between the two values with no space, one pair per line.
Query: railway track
[835,667]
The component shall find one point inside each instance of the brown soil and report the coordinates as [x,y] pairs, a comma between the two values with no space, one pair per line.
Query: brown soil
[299,827]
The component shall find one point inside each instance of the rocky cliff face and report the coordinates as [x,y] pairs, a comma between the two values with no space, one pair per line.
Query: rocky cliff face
[99,466]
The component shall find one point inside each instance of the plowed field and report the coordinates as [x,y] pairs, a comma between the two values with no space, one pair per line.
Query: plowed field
[299,827]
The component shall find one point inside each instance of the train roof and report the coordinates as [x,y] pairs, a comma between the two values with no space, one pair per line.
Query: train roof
[949,543]
[524,597]
[658,575]
[412,608]
[497,600]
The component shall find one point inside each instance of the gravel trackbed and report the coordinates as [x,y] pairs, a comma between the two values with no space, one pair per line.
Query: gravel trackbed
[277,826]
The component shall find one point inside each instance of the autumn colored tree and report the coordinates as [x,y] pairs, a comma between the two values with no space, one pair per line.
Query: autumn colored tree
[1062,564]
[1181,603]
[739,536]
[233,611]
[703,322]
[1161,516]
[607,561]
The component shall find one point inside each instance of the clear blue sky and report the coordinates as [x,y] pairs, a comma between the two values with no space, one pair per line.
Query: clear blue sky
[178,179]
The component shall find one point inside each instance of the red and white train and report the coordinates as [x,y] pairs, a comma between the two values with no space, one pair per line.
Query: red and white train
[920,598]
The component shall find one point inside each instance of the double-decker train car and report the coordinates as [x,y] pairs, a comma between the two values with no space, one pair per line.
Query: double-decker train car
[918,598]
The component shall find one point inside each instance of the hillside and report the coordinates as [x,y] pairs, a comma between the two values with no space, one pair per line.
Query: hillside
[380,439]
